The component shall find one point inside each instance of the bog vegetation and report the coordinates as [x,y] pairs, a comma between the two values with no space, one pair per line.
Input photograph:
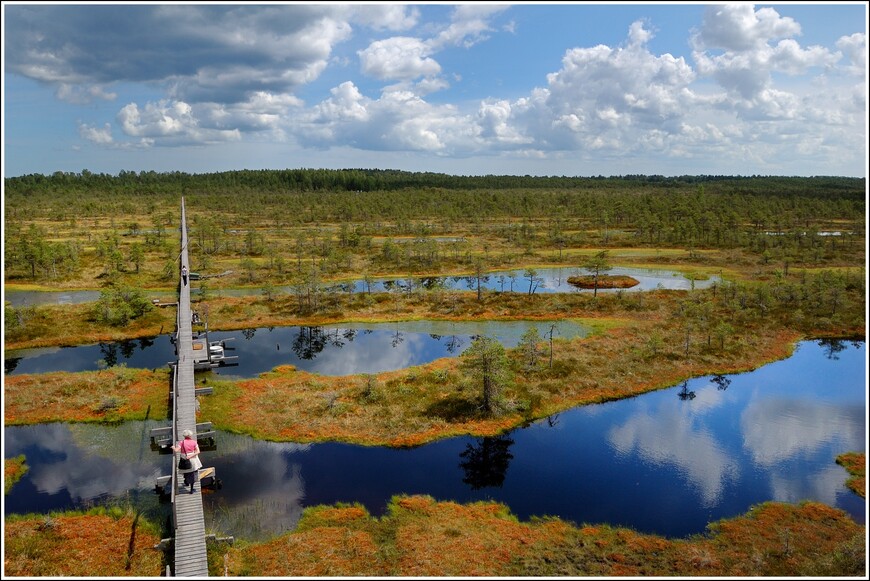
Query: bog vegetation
[419,537]
[790,253]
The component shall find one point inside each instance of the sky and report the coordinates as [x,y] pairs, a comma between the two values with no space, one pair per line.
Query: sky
[565,89]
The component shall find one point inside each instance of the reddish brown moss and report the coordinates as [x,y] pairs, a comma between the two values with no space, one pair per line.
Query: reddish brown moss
[13,470]
[422,537]
[855,464]
[79,546]
[604,282]
[116,393]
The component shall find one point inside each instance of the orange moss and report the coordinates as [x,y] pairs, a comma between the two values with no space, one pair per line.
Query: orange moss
[321,552]
[604,281]
[460,540]
[88,396]
[85,546]
[342,515]
[422,537]
[13,470]
[293,405]
[421,504]
[855,464]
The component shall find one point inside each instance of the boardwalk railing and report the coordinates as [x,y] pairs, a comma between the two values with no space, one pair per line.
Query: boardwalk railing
[173,482]
[189,544]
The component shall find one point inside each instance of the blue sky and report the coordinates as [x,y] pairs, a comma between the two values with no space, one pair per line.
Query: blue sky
[471,89]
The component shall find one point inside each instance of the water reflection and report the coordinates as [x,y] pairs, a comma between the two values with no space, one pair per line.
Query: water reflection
[546,280]
[684,393]
[10,364]
[721,382]
[656,463]
[329,350]
[73,465]
[776,429]
[791,412]
[27,298]
[486,462]
[670,435]
[272,495]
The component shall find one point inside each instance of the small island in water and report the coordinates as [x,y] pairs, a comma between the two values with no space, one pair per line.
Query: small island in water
[604,281]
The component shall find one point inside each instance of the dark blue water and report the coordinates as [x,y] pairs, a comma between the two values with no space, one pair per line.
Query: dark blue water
[349,349]
[667,462]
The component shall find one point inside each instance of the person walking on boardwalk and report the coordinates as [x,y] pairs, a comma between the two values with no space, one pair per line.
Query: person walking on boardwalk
[184,274]
[189,449]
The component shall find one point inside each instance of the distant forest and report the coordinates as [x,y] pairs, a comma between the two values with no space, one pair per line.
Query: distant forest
[369,180]
[701,207]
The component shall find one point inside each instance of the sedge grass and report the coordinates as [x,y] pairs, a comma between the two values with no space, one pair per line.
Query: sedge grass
[98,543]
[855,464]
[421,537]
[13,470]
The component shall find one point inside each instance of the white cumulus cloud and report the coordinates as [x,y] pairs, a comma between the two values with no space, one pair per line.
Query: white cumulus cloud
[855,48]
[739,27]
[386,16]
[397,120]
[173,122]
[100,136]
[398,58]
[749,57]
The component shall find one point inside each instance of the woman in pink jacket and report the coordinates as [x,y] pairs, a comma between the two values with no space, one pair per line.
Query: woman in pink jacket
[188,448]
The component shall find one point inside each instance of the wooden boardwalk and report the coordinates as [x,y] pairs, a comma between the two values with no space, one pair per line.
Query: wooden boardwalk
[189,537]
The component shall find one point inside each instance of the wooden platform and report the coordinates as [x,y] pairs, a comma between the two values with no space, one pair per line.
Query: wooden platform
[189,538]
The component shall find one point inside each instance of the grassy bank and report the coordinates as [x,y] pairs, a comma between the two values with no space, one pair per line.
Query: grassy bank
[422,537]
[69,325]
[112,395]
[856,465]
[13,470]
[643,342]
[99,543]
[414,406]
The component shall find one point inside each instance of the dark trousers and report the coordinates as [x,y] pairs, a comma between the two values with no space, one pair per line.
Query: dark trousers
[190,477]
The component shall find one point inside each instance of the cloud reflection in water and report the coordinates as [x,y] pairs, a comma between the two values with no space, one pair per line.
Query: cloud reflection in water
[655,462]
[776,429]
[671,434]
[268,489]
[83,471]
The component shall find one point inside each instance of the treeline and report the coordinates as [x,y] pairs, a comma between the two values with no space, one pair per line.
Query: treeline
[370,180]
[265,220]
[308,195]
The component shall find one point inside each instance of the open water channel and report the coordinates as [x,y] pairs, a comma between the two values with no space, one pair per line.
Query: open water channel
[329,350]
[546,280]
[666,462]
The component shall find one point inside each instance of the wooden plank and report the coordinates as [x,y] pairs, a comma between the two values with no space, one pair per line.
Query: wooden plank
[167,431]
[197,392]
[190,558]
[197,538]
[190,551]
[199,436]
